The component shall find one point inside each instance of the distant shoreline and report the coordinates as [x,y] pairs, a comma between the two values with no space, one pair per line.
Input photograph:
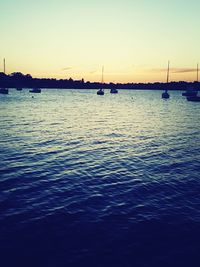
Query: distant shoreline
[19,80]
[105,88]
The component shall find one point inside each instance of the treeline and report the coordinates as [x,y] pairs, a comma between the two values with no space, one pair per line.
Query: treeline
[18,79]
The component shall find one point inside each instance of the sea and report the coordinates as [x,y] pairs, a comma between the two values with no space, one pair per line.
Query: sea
[99,181]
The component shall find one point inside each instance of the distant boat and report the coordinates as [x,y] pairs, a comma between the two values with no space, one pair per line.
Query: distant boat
[19,89]
[101,91]
[35,90]
[195,98]
[165,94]
[113,91]
[4,90]
[191,91]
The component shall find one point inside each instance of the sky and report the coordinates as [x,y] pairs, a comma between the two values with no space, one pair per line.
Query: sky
[132,39]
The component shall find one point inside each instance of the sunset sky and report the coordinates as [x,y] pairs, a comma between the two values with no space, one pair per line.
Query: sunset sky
[132,39]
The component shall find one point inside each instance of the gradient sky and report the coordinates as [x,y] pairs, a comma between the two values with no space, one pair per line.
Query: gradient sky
[133,39]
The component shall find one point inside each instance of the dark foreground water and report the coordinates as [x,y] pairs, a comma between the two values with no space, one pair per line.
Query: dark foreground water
[108,181]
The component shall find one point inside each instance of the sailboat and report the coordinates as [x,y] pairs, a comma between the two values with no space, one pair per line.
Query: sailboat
[165,94]
[113,91]
[191,91]
[4,90]
[101,91]
[35,90]
[195,97]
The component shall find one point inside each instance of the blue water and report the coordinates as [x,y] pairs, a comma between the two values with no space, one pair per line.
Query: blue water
[89,180]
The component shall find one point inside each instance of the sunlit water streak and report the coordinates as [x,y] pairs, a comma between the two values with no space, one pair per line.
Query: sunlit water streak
[88,180]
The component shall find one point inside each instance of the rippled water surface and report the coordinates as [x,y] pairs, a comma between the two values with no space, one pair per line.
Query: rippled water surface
[89,180]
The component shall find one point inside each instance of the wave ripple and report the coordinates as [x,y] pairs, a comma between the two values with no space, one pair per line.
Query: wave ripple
[89,181]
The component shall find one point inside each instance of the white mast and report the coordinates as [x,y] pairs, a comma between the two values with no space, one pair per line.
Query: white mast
[197,72]
[4,66]
[168,72]
[102,74]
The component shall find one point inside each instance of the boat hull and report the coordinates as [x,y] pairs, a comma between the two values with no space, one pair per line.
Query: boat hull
[36,91]
[194,93]
[100,92]
[114,91]
[193,98]
[165,95]
[4,91]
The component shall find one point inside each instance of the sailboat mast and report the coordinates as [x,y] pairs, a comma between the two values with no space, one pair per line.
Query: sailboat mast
[197,72]
[101,91]
[102,75]
[168,72]
[4,66]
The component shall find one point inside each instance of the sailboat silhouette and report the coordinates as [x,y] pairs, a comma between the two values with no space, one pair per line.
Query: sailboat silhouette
[191,91]
[4,90]
[195,97]
[101,91]
[165,94]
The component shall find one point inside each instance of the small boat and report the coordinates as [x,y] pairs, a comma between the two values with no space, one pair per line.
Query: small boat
[191,91]
[113,91]
[4,90]
[101,91]
[19,89]
[195,98]
[35,90]
[165,95]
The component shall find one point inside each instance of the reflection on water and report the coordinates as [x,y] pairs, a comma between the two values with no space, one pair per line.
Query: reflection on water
[99,181]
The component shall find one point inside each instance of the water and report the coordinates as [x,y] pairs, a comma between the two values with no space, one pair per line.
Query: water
[89,180]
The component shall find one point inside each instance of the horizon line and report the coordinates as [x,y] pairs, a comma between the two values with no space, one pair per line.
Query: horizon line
[82,80]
